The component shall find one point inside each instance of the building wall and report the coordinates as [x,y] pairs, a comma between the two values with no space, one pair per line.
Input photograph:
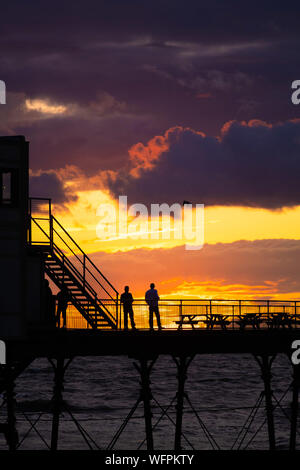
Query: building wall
[20,274]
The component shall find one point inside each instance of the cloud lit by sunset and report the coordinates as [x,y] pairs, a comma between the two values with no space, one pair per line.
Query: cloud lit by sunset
[162,116]
[43,106]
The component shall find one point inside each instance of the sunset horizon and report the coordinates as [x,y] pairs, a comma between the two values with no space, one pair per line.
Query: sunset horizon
[150,229]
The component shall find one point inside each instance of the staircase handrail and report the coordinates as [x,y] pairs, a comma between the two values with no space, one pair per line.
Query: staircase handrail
[83,265]
[79,275]
[86,258]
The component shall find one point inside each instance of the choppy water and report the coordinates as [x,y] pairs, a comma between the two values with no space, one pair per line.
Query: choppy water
[100,392]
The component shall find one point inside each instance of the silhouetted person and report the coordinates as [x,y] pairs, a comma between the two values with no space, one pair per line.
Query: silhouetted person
[127,300]
[48,303]
[152,299]
[62,304]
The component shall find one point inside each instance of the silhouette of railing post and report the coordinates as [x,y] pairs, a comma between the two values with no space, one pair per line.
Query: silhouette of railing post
[29,223]
[51,232]
[146,396]
[265,362]
[11,434]
[63,274]
[117,311]
[50,223]
[57,400]
[182,363]
[83,269]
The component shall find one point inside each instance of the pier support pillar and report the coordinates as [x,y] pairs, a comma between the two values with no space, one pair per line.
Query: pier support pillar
[57,400]
[182,363]
[294,406]
[11,433]
[265,362]
[146,396]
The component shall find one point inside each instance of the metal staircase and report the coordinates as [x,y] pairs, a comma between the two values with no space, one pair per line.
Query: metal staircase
[67,265]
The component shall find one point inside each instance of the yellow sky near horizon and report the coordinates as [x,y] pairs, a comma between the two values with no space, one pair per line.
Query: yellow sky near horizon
[221,225]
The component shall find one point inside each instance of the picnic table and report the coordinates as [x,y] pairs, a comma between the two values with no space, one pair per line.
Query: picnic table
[251,319]
[187,319]
[279,319]
[254,320]
[215,319]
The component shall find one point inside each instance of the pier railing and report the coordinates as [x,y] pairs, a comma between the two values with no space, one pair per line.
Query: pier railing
[209,314]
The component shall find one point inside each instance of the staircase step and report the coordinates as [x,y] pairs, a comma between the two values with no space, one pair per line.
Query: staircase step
[81,297]
[84,299]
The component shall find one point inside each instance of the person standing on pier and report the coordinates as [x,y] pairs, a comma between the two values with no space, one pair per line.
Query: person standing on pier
[152,298]
[127,301]
[48,304]
[62,304]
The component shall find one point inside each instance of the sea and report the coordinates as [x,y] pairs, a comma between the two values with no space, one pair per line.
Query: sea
[224,407]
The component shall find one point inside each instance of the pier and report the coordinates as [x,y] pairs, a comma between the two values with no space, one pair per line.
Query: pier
[35,246]
[144,348]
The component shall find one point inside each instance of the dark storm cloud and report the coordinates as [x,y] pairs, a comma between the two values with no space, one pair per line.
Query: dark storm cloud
[49,185]
[117,20]
[252,165]
[89,144]
[157,57]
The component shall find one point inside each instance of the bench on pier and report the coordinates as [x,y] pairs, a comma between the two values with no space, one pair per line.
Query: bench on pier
[281,319]
[251,319]
[295,320]
[187,319]
[217,319]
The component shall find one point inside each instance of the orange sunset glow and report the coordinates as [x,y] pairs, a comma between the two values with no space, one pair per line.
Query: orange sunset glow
[248,252]
[187,121]
[150,229]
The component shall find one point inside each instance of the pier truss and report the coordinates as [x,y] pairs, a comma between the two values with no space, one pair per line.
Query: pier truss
[144,348]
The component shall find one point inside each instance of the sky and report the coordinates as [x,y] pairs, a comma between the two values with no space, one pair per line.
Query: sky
[164,102]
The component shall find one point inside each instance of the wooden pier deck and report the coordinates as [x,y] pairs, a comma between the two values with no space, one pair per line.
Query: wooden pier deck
[143,343]
[61,346]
